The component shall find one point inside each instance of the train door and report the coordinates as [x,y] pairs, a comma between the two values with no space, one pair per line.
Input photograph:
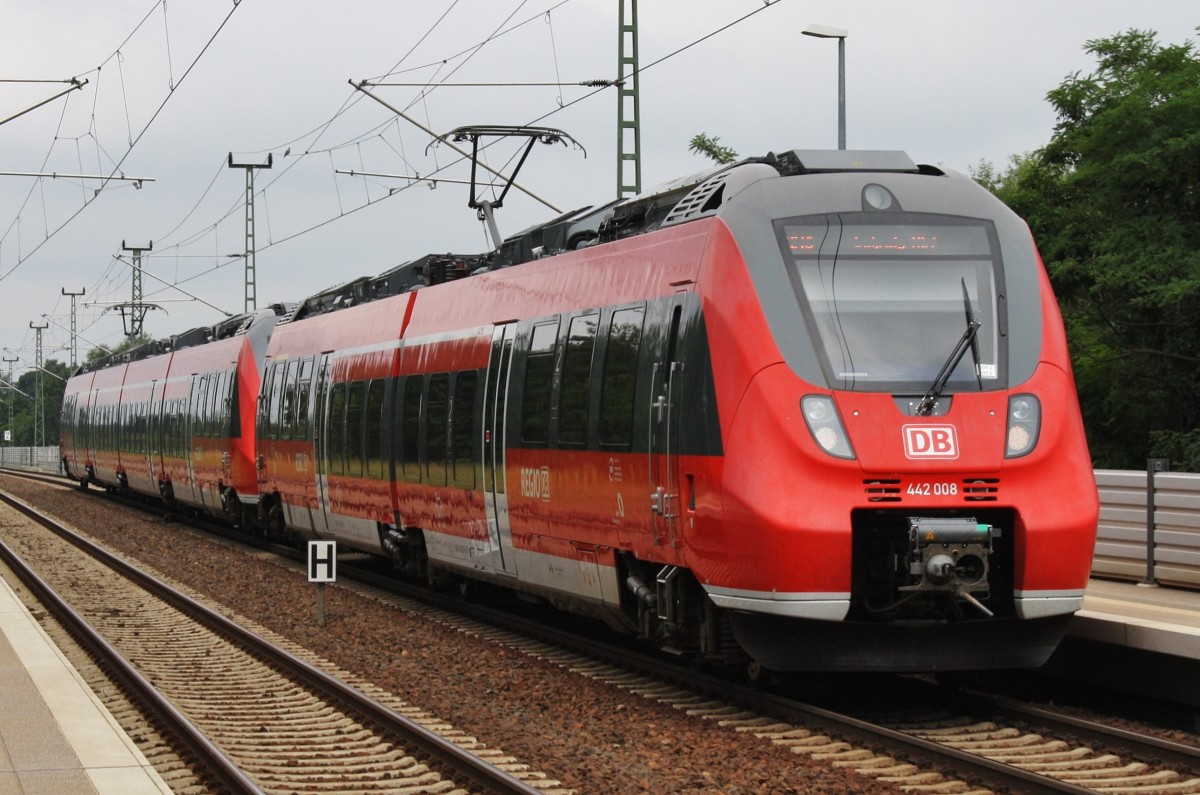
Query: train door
[91,434]
[495,493]
[154,434]
[300,501]
[665,397]
[320,429]
[189,492]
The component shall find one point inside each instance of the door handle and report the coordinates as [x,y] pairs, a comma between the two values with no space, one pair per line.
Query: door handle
[658,501]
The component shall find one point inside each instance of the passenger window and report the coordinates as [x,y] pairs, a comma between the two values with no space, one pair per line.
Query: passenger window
[214,405]
[181,441]
[200,407]
[263,411]
[539,374]
[287,392]
[576,381]
[462,424]
[355,405]
[166,428]
[410,428]
[275,401]
[619,378]
[373,429]
[436,415]
[233,420]
[335,440]
[303,390]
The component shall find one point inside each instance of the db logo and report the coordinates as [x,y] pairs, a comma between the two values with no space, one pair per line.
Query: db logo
[930,441]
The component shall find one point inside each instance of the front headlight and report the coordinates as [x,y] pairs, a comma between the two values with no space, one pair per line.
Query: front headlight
[1024,423]
[826,426]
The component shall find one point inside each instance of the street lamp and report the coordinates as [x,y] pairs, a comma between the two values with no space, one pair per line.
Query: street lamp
[829,32]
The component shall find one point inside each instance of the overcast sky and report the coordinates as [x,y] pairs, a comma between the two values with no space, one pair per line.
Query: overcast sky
[189,82]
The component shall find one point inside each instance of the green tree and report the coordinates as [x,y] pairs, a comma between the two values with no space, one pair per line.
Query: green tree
[24,426]
[1114,203]
[711,147]
[95,354]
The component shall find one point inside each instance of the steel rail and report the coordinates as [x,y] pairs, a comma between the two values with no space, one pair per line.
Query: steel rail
[967,765]
[454,761]
[216,763]
[1141,746]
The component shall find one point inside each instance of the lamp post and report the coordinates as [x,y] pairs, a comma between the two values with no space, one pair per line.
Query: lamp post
[829,32]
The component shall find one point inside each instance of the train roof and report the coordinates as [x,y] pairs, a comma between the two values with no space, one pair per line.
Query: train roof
[238,325]
[674,202]
[677,201]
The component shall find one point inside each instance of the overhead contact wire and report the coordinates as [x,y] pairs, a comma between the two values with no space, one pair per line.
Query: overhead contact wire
[342,212]
[133,142]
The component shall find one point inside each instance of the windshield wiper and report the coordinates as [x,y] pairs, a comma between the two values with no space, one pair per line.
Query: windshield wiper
[974,337]
[968,340]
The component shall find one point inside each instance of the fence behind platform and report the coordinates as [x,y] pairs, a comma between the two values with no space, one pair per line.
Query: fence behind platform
[38,459]
[1130,534]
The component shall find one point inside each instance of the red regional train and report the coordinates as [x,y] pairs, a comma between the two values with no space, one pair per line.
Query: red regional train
[167,419]
[813,411]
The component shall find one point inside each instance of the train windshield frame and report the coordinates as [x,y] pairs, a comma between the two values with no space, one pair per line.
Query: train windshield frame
[887,296]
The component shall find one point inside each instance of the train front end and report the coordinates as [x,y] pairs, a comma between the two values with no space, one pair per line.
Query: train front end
[906,485]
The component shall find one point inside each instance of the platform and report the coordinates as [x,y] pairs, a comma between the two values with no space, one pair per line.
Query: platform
[55,735]
[1138,641]
[1158,619]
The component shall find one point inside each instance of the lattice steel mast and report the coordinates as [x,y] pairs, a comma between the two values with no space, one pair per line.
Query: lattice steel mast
[251,288]
[629,133]
[136,307]
[74,335]
[39,411]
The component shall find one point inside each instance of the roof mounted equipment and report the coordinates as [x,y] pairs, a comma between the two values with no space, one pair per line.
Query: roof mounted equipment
[831,161]
[472,133]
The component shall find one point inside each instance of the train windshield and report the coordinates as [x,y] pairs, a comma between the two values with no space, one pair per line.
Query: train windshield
[887,297]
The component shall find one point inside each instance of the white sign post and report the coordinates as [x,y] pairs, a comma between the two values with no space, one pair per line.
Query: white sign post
[322,568]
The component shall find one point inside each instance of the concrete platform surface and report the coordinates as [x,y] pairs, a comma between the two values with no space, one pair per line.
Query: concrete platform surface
[1159,619]
[55,735]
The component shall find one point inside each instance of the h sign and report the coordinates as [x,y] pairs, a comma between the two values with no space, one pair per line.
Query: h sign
[930,441]
[322,561]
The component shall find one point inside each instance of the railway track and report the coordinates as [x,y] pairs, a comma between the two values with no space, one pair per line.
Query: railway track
[949,748]
[1035,751]
[964,744]
[1014,748]
[252,716]
[1185,759]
